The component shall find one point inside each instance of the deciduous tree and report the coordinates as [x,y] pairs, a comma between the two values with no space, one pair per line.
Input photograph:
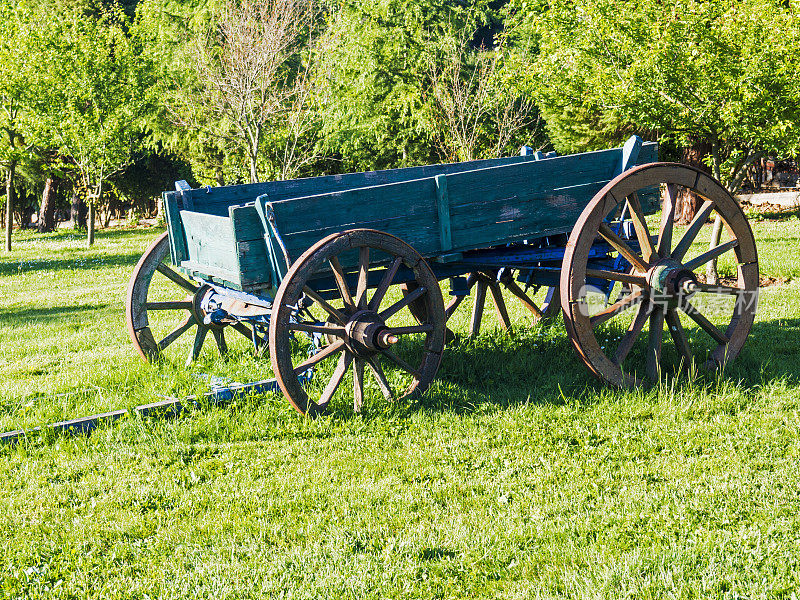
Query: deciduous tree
[96,98]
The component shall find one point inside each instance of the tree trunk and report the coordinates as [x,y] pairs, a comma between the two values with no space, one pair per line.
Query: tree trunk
[10,203]
[77,211]
[47,210]
[689,202]
[90,225]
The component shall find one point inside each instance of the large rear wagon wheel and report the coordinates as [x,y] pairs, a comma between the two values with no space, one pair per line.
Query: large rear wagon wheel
[355,330]
[708,324]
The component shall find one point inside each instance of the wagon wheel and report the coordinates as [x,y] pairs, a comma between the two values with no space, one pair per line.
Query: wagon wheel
[361,331]
[663,284]
[160,310]
[542,310]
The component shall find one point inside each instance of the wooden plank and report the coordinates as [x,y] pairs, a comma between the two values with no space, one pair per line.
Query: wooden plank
[443,207]
[486,207]
[251,249]
[177,239]
[630,154]
[210,242]
[216,200]
[246,222]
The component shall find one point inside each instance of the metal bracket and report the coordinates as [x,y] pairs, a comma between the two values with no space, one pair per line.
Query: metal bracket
[443,206]
[280,264]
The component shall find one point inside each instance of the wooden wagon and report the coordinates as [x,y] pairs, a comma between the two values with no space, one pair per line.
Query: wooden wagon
[306,268]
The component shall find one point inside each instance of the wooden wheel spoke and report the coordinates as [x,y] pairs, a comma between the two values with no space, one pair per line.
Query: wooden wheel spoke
[333,312]
[627,341]
[618,307]
[706,325]
[358,384]
[199,338]
[399,361]
[664,247]
[622,247]
[512,287]
[679,336]
[694,228]
[341,282]
[425,328]
[655,337]
[710,255]
[477,307]
[323,329]
[616,276]
[380,377]
[187,324]
[170,305]
[324,353]
[219,338]
[640,226]
[453,305]
[384,284]
[242,328]
[361,288]
[401,304]
[333,384]
[499,305]
[176,278]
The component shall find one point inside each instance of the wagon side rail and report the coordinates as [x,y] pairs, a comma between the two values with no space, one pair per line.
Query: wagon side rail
[446,215]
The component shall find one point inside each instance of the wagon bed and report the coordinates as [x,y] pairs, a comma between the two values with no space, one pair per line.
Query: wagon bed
[440,210]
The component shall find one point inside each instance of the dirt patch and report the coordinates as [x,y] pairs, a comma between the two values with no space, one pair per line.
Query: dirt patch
[763,280]
[769,212]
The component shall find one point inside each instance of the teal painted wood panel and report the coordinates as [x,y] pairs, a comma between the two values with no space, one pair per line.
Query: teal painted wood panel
[177,239]
[216,200]
[487,207]
[210,242]
[251,249]
[507,201]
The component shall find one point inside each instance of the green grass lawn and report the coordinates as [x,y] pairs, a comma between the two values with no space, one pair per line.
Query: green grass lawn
[516,476]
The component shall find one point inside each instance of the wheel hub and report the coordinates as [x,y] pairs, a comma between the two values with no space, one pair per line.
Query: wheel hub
[366,333]
[667,278]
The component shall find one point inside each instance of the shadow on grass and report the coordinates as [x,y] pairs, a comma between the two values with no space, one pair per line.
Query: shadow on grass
[528,366]
[23,317]
[540,367]
[770,352]
[754,214]
[15,267]
[506,370]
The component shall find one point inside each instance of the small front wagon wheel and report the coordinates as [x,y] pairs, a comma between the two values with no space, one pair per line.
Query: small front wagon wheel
[324,315]
[161,310]
[664,286]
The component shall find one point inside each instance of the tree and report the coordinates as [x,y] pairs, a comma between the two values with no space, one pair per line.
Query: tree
[694,70]
[244,75]
[372,78]
[720,72]
[16,93]
[476,109]
[96,97]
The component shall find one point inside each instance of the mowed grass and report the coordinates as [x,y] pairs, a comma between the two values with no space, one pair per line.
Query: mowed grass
[516,476]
